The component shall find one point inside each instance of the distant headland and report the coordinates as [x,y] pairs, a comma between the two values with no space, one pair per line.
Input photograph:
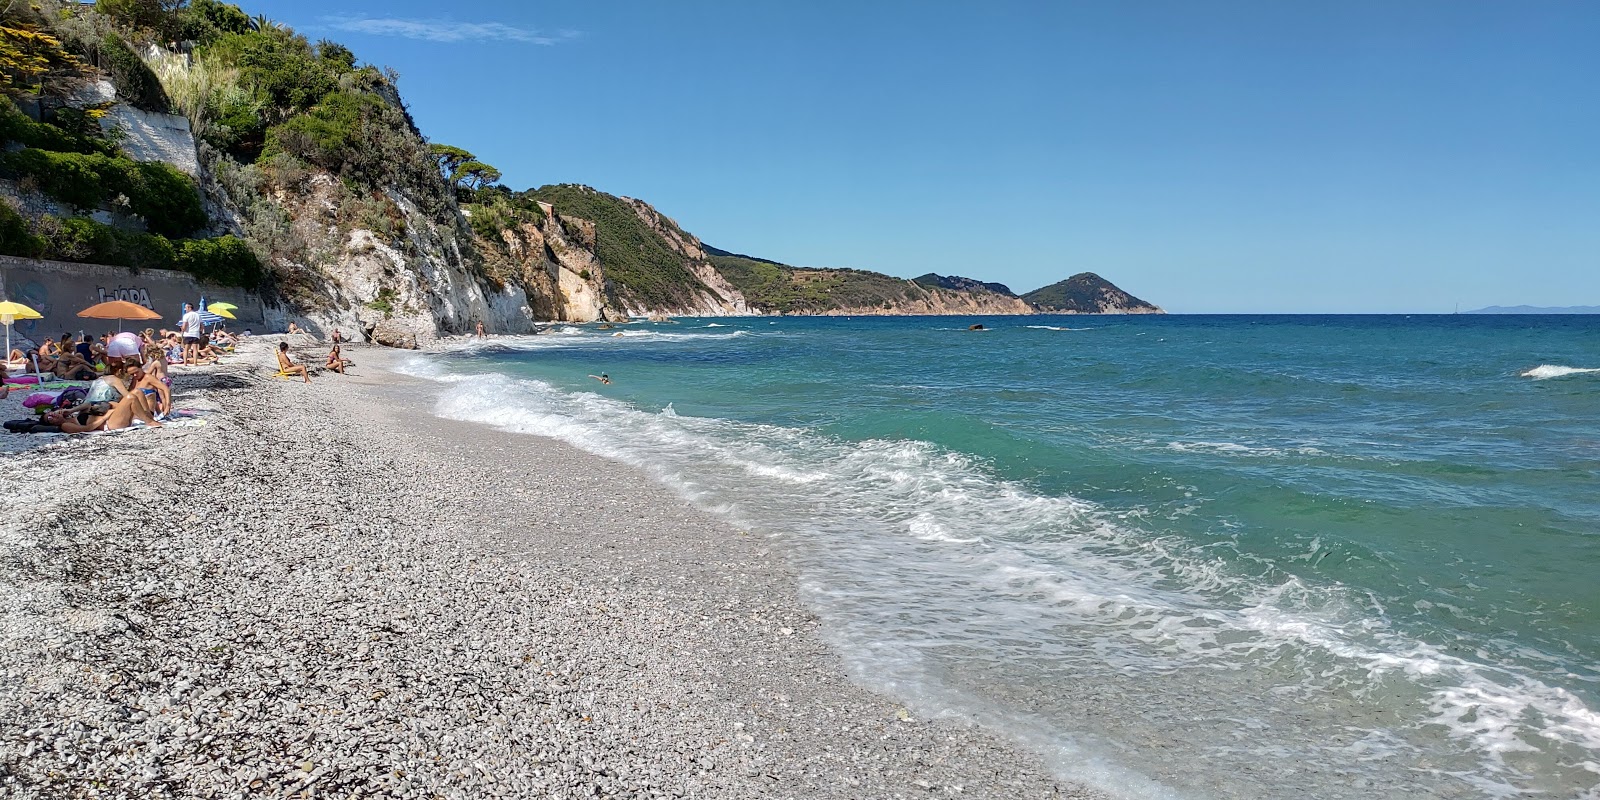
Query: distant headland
[1536,310]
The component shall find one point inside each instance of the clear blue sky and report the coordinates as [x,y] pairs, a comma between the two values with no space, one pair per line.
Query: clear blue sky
[1207,156]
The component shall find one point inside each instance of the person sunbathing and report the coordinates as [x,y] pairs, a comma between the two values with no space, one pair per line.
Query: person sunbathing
[45,358]
[288,367]
[209,352]
[156,393]
[336,362]
[72,367]
[120,414]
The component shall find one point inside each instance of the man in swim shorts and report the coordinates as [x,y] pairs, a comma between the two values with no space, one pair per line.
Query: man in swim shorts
[191,334]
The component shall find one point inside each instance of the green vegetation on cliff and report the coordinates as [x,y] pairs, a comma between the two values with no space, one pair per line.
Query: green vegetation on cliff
[70,161]
[771,286]
[1087,293]
[642,267]
[960,284]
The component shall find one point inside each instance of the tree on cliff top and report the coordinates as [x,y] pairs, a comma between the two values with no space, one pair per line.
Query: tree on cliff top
[461,168]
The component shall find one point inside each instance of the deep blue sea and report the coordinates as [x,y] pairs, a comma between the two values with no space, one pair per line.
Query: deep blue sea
[1184,556]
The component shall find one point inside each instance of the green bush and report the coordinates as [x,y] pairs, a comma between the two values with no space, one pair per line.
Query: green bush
[328,135]
[280,64]
[226,260]
[80,180]
[16,126]
[80,239]
[166,198]
[16,238]
[132,13]
[135,81]
[238,122]
[205,21]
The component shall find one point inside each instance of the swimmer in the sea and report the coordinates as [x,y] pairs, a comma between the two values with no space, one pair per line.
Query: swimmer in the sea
[602,377]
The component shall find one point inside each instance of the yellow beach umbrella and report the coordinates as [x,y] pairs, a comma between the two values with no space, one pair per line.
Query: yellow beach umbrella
[221,310]
[220,304]
[11,312]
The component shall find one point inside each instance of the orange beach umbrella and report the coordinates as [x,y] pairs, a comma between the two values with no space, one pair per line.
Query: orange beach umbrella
[118,310]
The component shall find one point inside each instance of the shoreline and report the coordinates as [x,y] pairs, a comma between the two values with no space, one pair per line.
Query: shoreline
[327,588]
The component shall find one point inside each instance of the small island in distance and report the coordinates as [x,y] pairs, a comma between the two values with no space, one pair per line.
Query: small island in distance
[1536,310]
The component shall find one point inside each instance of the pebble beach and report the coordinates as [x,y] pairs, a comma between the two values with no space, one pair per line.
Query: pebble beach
[325,591]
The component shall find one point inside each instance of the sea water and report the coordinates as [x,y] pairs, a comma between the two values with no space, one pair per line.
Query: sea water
[1182,556]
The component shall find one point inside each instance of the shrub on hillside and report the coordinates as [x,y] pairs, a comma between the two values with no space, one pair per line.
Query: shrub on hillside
[226,260]
[283,66]
[16,127]
[205,21]
[77,179]
[134,80]
[364,141]
[16,236]
[329,135]
[166,198]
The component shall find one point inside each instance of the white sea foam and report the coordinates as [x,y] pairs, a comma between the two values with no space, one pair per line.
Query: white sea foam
[1547,371]
[1056,328]
[668,335]
[570,337]
[901,537]
[1236,449]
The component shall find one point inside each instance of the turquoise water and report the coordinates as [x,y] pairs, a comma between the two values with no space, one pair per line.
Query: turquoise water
[1184,556]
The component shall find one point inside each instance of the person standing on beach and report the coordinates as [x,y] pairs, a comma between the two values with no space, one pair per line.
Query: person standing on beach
[190,327]
[482,332]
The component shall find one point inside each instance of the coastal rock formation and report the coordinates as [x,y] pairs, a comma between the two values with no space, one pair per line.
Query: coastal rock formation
[393,334]
[1087,293]
[396,267]
[561,278]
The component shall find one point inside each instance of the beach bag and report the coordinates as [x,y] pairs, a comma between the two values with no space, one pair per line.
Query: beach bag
[40,399]
[71,397]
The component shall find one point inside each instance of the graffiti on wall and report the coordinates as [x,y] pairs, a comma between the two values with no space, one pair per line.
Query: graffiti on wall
[133,294]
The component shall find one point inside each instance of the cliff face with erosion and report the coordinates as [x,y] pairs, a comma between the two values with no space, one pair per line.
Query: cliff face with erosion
[714,295]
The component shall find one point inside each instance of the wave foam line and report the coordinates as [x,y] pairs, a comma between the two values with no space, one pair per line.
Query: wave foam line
[1545,372]
[909,511]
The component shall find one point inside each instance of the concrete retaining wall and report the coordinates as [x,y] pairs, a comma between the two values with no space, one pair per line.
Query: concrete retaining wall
[59,290]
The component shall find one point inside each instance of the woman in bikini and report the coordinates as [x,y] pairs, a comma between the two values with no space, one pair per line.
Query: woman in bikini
[336,362]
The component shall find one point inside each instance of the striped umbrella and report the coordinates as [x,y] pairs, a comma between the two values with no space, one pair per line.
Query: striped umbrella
[207,317]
